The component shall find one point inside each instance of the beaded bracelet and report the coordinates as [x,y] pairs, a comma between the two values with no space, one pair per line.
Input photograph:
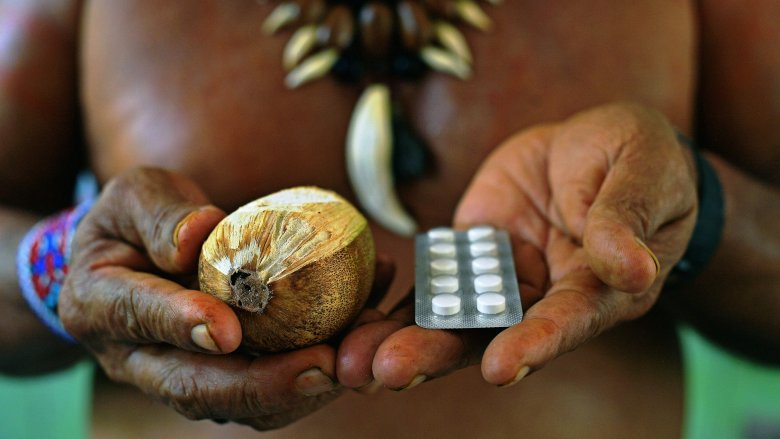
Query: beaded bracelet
[42,264]
[709,222]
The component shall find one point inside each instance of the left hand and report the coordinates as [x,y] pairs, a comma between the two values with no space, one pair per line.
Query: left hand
[600,207]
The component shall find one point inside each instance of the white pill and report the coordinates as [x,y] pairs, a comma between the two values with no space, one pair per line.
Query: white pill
[485,248]
[444,266]
[441,234]
[487,283]
[485,265]
[444,284]
[491,303]
[445,304]
[443,250]
[480,233]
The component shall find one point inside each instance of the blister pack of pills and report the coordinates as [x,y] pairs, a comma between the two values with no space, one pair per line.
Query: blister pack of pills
[465,279]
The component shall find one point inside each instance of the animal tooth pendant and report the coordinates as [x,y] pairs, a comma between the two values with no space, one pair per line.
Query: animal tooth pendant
[377,42]
[369,160]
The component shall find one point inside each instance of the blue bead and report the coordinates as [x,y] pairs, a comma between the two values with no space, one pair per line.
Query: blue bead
[59,260]
[39,266]
[54,296]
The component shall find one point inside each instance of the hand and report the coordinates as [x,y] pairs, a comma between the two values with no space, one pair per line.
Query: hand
[126,302]
[599,207]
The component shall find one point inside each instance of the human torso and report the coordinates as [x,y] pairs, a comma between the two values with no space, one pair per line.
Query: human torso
[197,87]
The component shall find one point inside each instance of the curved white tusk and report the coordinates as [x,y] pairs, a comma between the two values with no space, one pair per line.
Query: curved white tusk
[369,160]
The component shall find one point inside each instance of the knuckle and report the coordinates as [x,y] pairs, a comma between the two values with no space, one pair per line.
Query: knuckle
[111,372]
[137,317]
[126,316]
[112,360]
[72,308]
[126,307]
[162,223]
[634,211]
[127,185]
[121,184]
[184,394]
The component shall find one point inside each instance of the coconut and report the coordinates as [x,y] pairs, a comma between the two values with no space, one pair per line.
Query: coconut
[297,267]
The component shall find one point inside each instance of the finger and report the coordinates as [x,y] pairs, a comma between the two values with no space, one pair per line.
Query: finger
[357,350]
[236,386]
[532,273]
[617,176]
[162,212]
[507,188]
[413,354]
[366,316]
[123,305]
[576,172]
[626,216]
[403,356]
[576,309]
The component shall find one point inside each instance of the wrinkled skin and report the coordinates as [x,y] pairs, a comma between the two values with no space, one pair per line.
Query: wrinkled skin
[530,143]
[134,231]
[572,223]
[575,204]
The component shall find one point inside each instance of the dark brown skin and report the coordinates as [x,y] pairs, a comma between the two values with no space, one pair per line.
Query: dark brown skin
[575,100]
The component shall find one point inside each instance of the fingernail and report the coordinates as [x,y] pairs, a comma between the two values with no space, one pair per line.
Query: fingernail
[201,337]
[414,383]
[520,375]
[313,382]
[181,224]
[652,255]
[370,388]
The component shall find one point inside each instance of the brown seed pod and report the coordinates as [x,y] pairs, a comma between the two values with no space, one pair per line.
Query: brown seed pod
[297,267]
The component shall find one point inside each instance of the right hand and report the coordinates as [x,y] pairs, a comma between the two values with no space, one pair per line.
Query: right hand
[125,300]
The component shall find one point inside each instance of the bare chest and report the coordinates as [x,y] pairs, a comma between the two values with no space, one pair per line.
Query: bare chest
[197,87]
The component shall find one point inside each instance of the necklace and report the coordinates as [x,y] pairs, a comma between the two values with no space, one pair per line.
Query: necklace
[369,43]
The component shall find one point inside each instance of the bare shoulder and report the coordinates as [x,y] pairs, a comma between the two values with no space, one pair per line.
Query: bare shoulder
[38,101]
[739,93]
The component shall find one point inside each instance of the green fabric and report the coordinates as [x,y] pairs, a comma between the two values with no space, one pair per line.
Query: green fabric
[727,396]
[56,406]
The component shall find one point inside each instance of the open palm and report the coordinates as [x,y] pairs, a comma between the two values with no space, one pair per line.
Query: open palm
[584,201]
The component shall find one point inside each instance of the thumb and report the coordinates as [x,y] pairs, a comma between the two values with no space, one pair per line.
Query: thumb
[623,184]
[639,217]
[162,212]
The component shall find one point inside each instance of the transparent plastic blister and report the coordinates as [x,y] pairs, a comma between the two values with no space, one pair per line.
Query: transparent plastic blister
[465,279]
